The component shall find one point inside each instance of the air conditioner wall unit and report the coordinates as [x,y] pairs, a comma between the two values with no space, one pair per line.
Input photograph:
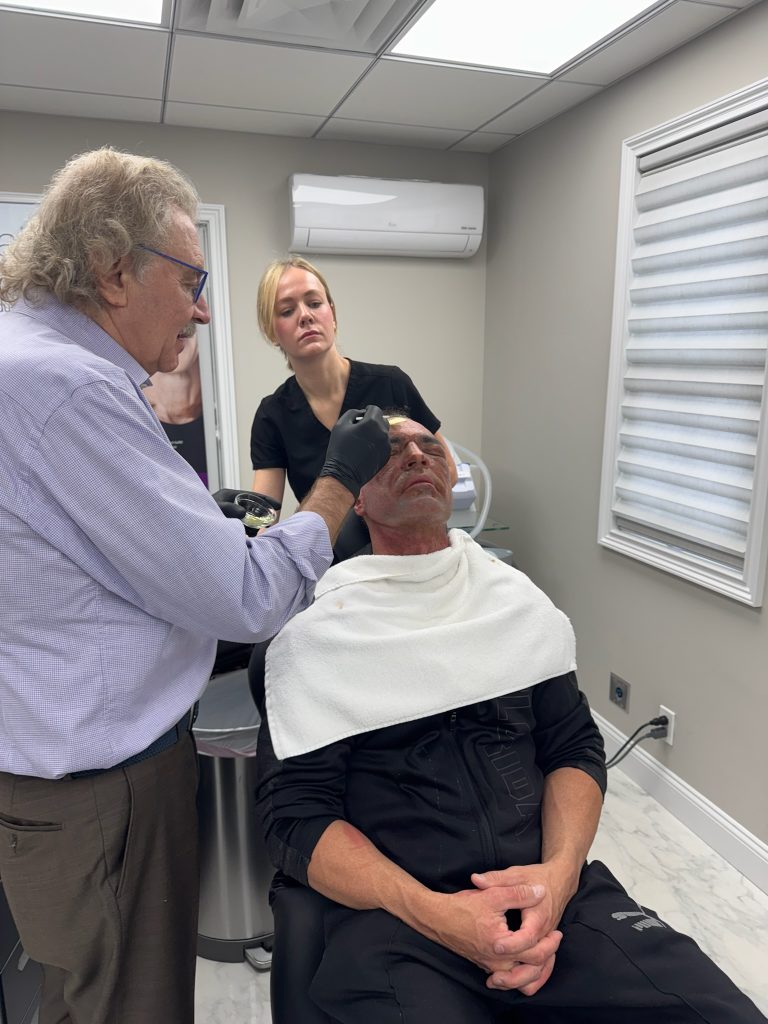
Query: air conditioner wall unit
[347,215]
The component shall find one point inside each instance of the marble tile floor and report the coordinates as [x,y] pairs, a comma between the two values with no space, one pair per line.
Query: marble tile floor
[661,862]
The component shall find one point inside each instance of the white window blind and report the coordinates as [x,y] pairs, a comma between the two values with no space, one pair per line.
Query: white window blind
[684,474]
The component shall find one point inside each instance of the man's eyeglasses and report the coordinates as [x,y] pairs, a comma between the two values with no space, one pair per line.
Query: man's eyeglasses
[202,275]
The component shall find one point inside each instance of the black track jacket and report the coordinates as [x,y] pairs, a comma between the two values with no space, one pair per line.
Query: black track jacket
[442,796]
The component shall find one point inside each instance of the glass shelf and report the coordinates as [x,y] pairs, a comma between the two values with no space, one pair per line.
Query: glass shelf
[465,519]
[492,525]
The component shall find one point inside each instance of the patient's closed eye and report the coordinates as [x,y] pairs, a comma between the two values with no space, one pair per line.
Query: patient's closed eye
[429,445]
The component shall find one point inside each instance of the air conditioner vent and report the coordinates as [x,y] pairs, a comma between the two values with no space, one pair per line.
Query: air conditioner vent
[362,26]
[384,216]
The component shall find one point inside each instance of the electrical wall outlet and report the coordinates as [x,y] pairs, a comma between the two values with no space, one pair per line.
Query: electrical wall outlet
[669,738]
[619,691]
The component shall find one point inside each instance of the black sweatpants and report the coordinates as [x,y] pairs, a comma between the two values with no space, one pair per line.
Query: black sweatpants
[617,964]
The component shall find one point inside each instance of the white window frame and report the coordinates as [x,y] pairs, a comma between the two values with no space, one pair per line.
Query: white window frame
[210,217]
[742,582]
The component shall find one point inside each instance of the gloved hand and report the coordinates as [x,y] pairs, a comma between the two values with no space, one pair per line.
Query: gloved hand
[225,499]
[358,448]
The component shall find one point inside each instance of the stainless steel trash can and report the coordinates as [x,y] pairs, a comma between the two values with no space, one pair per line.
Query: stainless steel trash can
[235,920]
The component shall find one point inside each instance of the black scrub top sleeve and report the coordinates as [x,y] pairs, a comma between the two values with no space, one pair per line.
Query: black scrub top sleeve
[267,448]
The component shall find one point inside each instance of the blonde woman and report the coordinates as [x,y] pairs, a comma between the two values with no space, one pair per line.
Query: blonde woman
[291,428]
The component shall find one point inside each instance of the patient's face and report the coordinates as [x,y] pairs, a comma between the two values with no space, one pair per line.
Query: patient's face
[414,486]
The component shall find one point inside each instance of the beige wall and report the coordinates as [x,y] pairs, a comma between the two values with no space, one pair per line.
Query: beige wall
[424,315]
[553,219]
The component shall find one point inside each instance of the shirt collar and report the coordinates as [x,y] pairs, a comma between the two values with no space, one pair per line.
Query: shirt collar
[83,331]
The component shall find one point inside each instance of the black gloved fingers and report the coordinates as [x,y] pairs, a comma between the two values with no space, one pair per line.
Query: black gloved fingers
[358,448]
[224,494]
[231,510]
[377,430]
[225,499]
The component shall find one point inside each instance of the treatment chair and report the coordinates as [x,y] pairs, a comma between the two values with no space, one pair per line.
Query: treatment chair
[299,936]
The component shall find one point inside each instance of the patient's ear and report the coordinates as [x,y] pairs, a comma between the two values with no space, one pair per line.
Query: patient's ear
[359,505]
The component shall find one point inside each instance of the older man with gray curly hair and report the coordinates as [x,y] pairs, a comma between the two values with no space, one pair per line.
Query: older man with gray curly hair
[117,575]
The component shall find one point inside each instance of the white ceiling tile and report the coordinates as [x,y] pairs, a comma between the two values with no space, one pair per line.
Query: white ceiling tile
[419,93]
[79,67]
[86,56]
[340,129]
[550,100]
[738,4]
[482,142]
[78,104]
[250,75]
[236,119]
[651,39]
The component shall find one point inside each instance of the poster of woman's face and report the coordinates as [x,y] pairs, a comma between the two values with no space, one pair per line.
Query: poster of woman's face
[177,398]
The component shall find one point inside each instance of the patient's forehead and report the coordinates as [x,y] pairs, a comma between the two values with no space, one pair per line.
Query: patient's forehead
[401,427]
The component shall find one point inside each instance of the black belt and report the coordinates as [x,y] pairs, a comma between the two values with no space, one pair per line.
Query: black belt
[162,743]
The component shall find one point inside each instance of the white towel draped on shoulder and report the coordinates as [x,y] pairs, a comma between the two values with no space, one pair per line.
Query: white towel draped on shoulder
[394,638]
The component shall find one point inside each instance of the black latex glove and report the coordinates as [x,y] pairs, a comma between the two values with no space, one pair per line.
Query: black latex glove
[358,448]
[225,499]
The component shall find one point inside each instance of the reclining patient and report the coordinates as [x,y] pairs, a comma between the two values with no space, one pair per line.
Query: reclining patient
[430,765]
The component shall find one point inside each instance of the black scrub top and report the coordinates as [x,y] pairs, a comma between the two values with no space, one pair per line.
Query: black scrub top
[287,435]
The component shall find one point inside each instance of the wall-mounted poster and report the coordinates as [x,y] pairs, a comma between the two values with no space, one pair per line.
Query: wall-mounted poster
[177,398]
[195,403]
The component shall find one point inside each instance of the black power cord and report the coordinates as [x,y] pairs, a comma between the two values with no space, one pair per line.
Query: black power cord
[658,731]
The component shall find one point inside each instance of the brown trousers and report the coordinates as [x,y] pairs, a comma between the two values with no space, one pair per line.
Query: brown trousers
[102,878]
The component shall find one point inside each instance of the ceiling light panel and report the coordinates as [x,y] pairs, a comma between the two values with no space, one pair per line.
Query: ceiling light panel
[148,12]
[538,37]
[360,26]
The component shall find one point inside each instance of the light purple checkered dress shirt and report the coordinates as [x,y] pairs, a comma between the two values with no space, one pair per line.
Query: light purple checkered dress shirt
[118,572]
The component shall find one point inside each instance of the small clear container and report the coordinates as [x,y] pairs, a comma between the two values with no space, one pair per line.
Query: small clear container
[258,510]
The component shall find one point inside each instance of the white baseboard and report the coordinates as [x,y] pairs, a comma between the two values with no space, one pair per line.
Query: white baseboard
[732,841]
